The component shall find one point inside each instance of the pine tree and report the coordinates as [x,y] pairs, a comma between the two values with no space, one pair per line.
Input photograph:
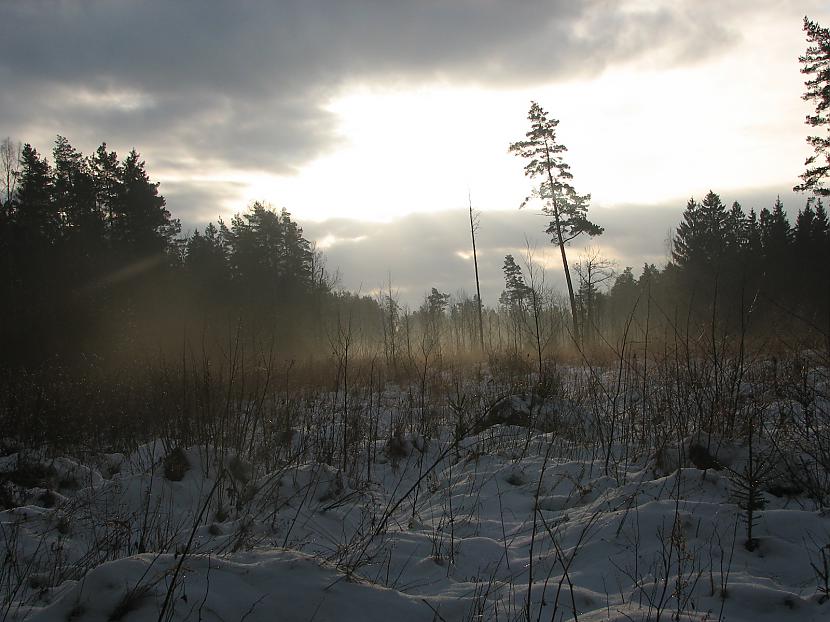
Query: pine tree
[432,311]
[74,194]
[34,212]
[515,289]
[514,298]
[269,258]
[567,209]
[821,241]
[296,255]
[142,224]
[815,63]
[107,178]
[436,303]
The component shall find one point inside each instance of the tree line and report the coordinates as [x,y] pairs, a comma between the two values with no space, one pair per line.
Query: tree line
[92,260]
[751,272]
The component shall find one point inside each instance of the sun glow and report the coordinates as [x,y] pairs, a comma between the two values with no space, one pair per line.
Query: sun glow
[635,135]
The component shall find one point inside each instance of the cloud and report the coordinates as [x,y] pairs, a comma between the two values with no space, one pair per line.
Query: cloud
[421,251]
[205,201]
[209,87]
[245,84]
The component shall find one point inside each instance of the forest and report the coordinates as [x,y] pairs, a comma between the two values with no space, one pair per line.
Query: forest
[96,267]
[206,425]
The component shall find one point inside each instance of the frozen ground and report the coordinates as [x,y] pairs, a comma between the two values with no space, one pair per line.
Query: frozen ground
[505,523]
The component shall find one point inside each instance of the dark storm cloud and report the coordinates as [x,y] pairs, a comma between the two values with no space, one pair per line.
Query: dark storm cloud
[243,84]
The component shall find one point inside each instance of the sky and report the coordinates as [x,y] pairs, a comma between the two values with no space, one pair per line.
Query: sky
[374,122]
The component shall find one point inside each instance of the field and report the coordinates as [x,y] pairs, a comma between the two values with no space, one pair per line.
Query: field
[673,487]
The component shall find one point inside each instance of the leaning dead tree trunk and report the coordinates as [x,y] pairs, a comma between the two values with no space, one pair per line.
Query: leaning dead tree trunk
[473,227]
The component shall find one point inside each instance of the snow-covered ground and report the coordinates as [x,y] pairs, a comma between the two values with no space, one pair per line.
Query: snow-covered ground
[505,522]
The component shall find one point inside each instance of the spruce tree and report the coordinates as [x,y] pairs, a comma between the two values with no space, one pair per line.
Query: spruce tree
[811,242]
[776,248]
[753,235]
[687,238]
[701,240]
[775,232]
[737,231]
[805,227]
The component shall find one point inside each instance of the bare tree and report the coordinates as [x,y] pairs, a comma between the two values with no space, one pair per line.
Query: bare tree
[593,270]
[388,301]
[537,293]
[9,169]
[473,228]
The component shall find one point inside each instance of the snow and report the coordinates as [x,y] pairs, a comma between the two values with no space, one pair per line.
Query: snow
[442,529]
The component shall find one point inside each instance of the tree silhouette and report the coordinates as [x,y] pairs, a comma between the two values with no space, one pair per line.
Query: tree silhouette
[141,222]
[269,259]
[567,209]
[816,64]
[515,289]
[776,248]
[10,153]
[74,197]
[206,263]
[473,228]
[33,209]
[107,176]
[702,238]
[593,270]
[811,242]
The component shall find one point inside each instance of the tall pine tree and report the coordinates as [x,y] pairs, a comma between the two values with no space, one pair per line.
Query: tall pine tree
[567,209]
[815,64]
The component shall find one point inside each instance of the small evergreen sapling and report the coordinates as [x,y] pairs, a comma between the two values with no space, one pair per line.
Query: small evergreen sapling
[747,485]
